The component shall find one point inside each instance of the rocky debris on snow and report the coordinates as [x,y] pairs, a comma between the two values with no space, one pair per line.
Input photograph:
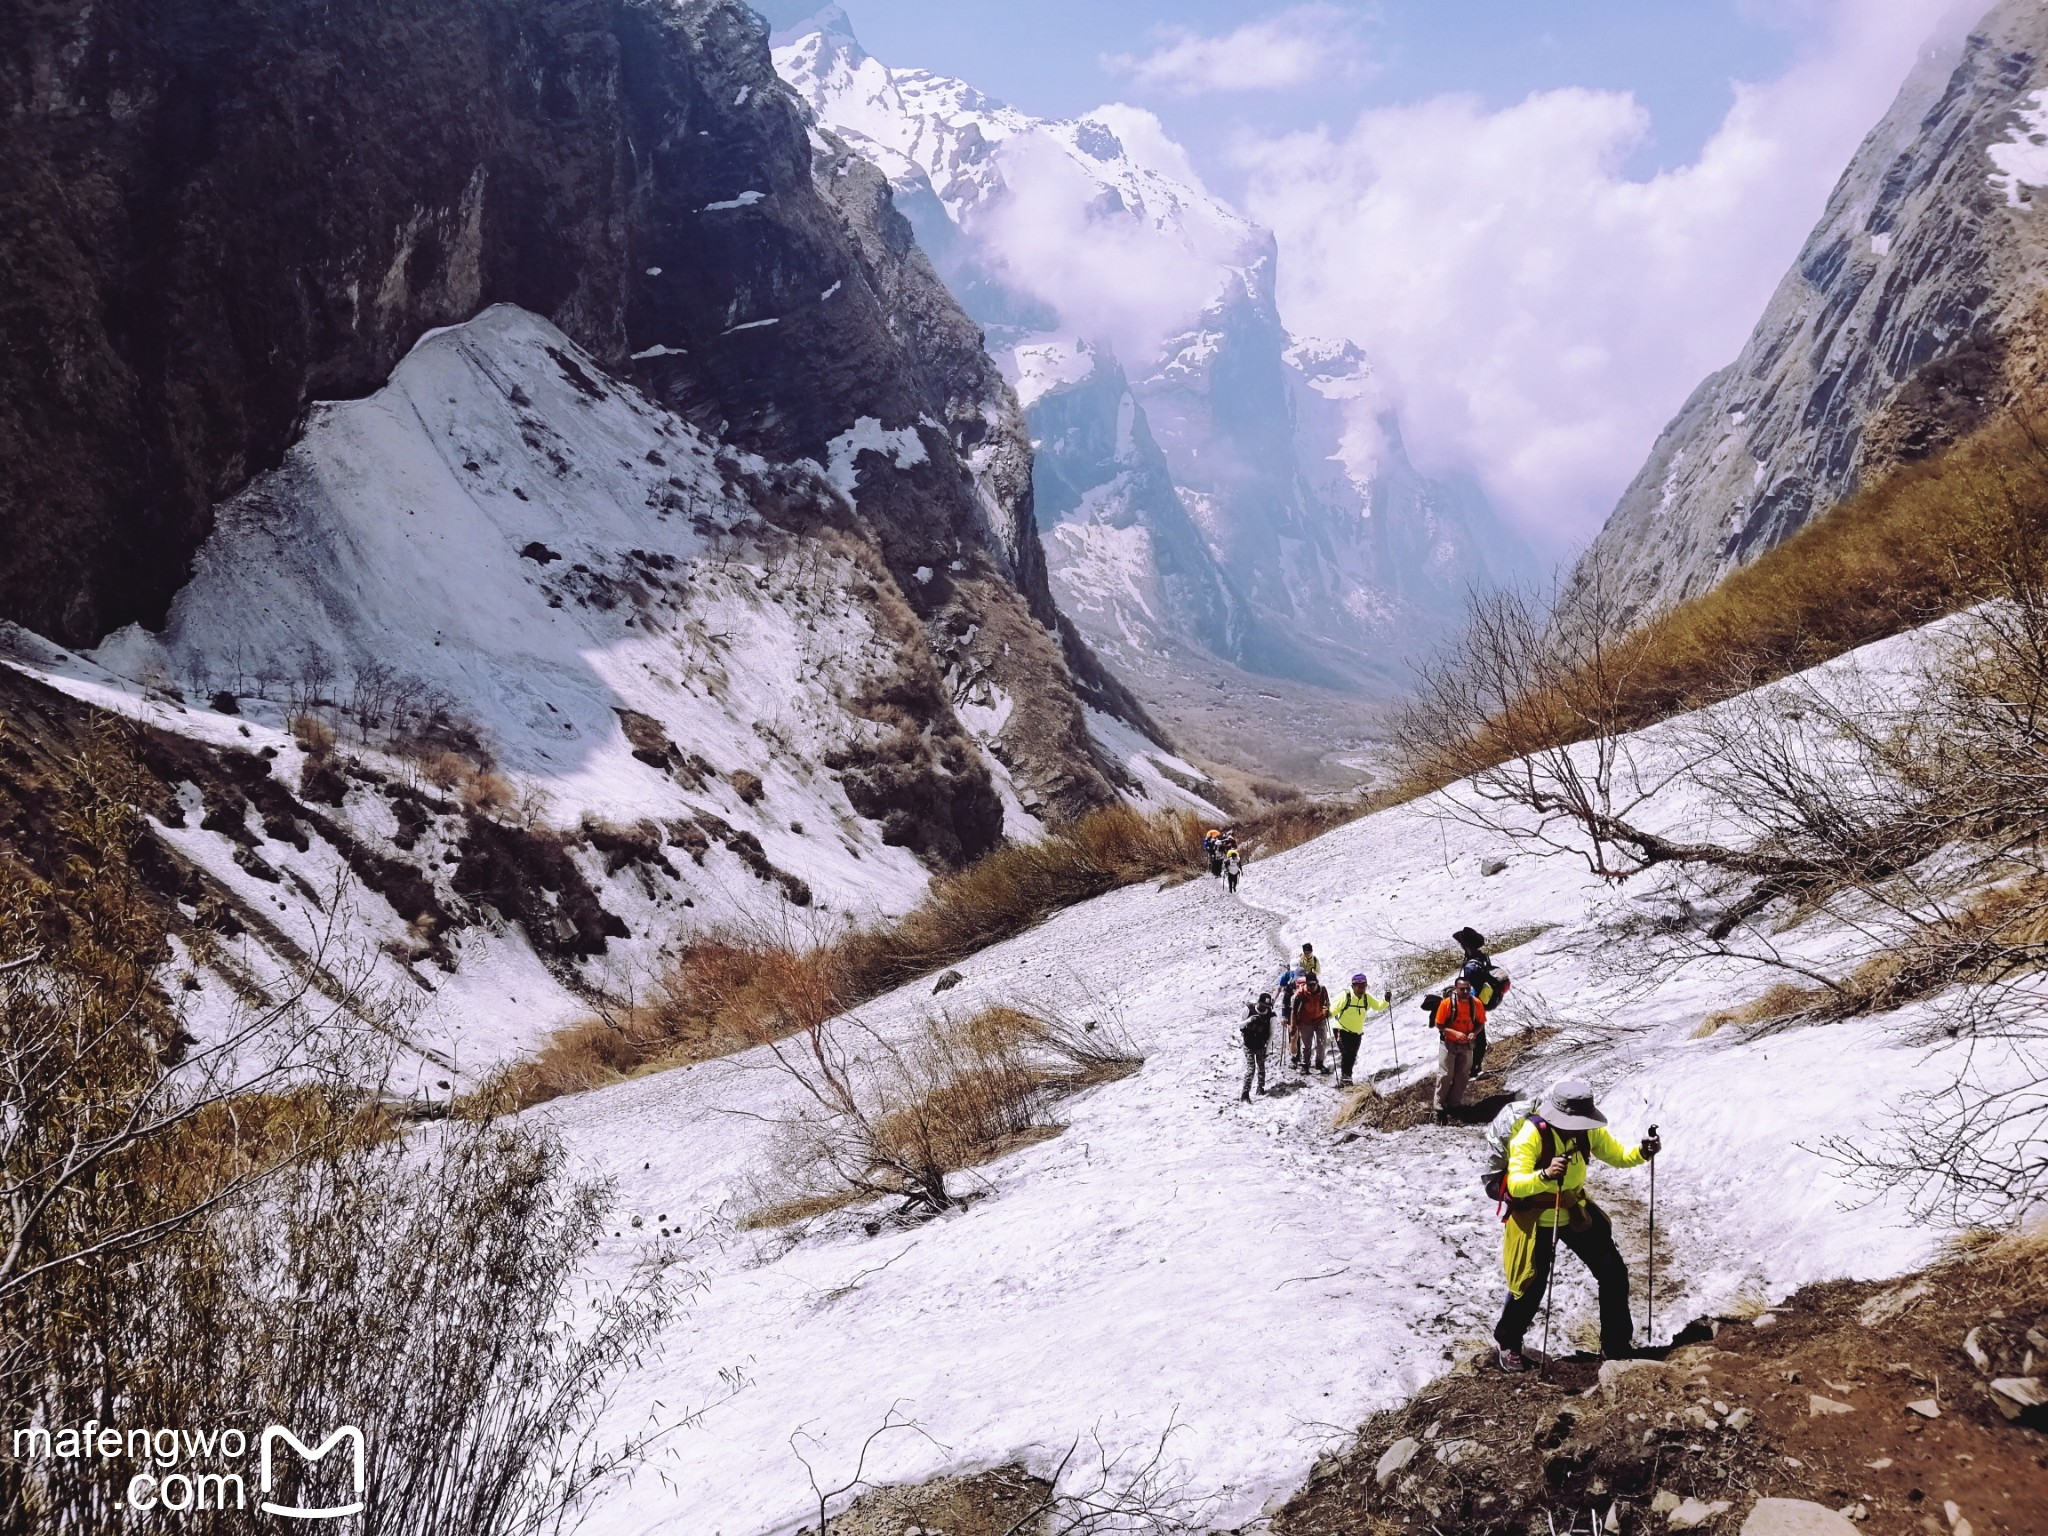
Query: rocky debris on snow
[1007,1501]
[1720,1434]
[1795,1517]
[947,982]
[1490,867]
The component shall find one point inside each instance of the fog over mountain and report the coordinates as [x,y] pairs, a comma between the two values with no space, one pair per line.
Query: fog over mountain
[1218,496]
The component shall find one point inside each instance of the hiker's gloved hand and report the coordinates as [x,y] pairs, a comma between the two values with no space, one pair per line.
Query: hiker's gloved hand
[1652,1145]
[1554,1169]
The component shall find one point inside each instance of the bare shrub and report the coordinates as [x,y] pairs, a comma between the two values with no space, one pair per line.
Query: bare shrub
[894,1118]
[486,794]
[194,1232]
[314,735]
[444,770]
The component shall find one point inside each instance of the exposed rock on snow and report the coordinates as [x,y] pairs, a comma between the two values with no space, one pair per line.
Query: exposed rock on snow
[632,171]
[1901,327]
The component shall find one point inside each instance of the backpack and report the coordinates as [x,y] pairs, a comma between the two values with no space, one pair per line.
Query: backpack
[1499,1132]
[1489,983]
[1257,1029]
[1312,1006]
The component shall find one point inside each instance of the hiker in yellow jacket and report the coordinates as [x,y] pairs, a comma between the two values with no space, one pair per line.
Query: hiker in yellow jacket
[1545,1194]
[1348,1014]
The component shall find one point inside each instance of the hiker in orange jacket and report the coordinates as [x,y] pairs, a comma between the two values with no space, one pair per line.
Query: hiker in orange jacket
[1460,1019]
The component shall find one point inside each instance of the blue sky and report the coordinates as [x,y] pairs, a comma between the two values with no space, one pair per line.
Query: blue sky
[1678,57]
[1546,220]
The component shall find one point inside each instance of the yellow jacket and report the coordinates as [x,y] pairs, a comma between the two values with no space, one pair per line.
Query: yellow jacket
[1526,1146]
[1349,1010]
[1527,1188]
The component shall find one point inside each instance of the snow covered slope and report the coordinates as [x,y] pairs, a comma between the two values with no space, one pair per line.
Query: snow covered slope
[1132,306]
[533,607]
[1242,1273]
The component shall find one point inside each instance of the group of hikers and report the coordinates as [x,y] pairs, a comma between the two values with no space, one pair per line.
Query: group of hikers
[1541,1147]
[1301,1005]
[1225,861]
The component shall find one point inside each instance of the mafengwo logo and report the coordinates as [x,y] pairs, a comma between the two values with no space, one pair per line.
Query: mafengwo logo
[185,1471]
[349,1434]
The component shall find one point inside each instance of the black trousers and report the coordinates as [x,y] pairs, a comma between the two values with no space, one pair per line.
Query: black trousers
[1347,1053]
[1595,1248]
[1478,1051]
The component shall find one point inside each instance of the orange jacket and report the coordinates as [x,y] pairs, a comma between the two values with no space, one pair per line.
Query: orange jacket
[1467,1022]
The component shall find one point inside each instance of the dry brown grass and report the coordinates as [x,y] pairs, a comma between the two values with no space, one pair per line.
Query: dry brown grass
[1926,541]
[486,794]
[960,1094]
[727,991]
[314,735]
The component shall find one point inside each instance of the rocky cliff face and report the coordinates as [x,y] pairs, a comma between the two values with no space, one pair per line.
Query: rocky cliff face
[221,212]
[1907,320]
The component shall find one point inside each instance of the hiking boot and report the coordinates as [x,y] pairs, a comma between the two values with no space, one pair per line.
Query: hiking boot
[1443,1117]
[1245,1097]
[1512,1361]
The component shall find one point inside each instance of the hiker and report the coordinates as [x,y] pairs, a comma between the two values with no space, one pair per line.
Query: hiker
[1212,850]
[1459,1020]
[1348,1013]
[1308,964]
[1489,984]
[1308,1022]
[1543,1190]
[1233,866]
[1257,1033]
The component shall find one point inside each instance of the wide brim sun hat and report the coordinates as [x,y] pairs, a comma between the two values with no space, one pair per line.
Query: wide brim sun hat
[1569,1106]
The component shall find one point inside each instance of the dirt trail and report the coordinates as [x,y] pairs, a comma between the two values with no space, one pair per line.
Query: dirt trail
[1861,1397]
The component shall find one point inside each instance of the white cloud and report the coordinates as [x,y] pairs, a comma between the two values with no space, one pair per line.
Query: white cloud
[1300,44]
[1059,235]
[1542,313]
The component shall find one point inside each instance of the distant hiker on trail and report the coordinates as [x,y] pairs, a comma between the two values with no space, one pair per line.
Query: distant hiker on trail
[1233,866]
[1543,1190]
[1257,1033]
[1349,1014]
[1307,963]
[1212,850]
[1460,1018]
[1489,984]
[1307,1021]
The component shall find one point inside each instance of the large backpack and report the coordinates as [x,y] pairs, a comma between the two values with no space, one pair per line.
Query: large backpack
[1489,983]
[1499,1133]
[1312,1006]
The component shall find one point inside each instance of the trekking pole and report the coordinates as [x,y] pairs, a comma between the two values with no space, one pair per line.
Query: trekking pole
[1651,1337]
[1550,1281]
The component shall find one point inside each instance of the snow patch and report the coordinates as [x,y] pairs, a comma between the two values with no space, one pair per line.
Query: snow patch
[744,200]
[900,445]
[2022,158]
